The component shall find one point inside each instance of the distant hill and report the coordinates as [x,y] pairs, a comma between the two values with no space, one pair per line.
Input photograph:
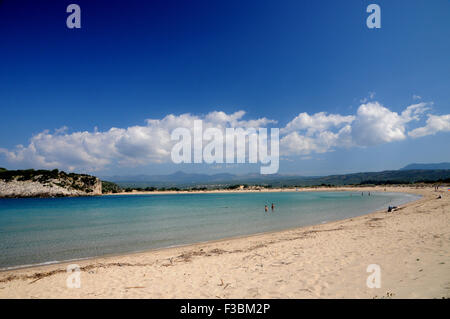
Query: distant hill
[45,183]
[54,183]
[177,177]
[180,179]
[384,177]
[444,165]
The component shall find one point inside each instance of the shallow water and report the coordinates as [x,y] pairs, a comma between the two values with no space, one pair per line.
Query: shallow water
[34,231]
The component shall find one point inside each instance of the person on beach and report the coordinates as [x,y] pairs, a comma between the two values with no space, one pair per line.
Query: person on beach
[266,209]
[273,207]
[391,209]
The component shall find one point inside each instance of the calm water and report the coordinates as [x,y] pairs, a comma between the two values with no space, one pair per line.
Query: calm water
[36,231]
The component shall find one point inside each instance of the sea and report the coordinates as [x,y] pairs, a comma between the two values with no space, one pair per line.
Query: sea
[36,231]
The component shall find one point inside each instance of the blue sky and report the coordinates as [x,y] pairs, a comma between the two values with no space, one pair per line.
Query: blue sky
[135,60]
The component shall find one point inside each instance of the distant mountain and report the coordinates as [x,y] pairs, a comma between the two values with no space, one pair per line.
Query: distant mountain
[445,165]
[177,177]
[188,179]
[181,179]
[384,177]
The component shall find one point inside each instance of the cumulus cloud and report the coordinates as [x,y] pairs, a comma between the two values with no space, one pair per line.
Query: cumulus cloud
[376,124]
[372,124]
[316,133]
[303,136]
[296,143]
[135,145]
[435,123]
[317,122]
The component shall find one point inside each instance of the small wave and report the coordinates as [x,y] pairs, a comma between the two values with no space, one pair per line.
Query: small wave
[30,265]
[42,264]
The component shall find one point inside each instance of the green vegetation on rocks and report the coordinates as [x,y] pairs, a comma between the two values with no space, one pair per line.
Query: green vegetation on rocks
[109,187]
[47,183]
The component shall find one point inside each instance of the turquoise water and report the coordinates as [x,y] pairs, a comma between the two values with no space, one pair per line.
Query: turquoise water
[34,231]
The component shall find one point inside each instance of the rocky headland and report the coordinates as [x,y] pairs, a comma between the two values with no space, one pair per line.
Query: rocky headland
[46,183]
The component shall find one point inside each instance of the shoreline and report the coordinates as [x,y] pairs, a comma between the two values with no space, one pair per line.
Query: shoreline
[233,191]
[265,190]
[188,245]
[198,252]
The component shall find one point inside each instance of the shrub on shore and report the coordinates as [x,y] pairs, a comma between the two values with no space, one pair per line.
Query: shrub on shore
[109,187]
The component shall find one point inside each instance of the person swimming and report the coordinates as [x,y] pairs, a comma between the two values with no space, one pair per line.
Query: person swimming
[273,207]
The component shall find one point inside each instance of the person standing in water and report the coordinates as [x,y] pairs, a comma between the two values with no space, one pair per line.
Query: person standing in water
[273,207]
[265,208]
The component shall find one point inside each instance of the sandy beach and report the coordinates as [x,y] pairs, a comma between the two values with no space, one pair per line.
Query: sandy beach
[411,247]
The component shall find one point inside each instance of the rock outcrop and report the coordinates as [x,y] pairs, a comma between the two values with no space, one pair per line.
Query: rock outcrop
[43,183]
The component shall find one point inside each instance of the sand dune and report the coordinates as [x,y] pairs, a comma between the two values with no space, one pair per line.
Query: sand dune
[411,246]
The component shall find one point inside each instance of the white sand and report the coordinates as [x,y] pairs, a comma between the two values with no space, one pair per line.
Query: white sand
[411,246]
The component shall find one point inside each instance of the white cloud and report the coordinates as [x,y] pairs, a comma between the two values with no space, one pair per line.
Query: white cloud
[303,136]
[373,124]
[296,143]
[376,124]
[316,133]
[435,124]
[414,112]
[136,145]
[316,123]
